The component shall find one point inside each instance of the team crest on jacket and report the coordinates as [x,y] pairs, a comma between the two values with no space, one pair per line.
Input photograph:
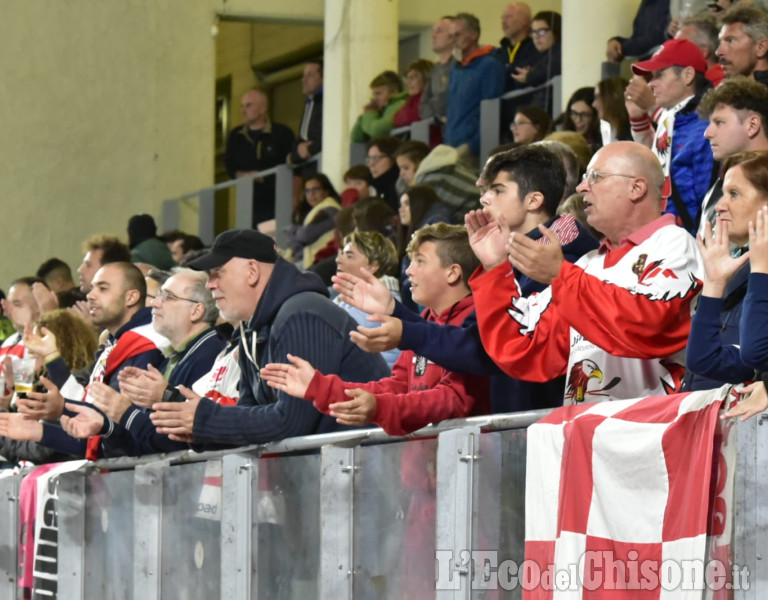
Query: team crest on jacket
[579,377]
[420,365]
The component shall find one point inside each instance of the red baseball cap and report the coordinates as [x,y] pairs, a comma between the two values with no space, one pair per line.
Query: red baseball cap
[674,53]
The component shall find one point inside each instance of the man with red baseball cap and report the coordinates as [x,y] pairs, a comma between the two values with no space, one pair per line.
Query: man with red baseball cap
[676,75]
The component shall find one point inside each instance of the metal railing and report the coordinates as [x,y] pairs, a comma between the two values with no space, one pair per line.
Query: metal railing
[491,113]
[417,131]
[283,174]
[363,517]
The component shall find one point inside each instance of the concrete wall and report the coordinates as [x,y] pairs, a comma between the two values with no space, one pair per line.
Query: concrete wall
[107,109]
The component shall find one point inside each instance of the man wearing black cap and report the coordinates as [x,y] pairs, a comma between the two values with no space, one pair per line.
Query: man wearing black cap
[281,311]
[677,79]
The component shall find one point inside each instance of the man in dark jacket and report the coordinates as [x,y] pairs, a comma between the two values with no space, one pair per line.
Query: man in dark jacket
[516,49]
[258,145]
[310,140]
[281,311]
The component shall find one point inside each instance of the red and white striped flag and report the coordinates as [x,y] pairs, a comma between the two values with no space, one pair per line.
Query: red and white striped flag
[617,496]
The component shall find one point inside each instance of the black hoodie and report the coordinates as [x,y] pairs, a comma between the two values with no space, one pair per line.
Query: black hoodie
[294,315]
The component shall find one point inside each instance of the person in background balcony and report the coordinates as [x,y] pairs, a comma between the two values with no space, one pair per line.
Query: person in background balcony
[387,97]
[477,77]
[546,34]
[416,76]
[310,139]
[516,48]
[435,96]
[648,31]
[257,145]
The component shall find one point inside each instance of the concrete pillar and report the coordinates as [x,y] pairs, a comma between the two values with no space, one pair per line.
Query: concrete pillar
[360,41]
[587,26]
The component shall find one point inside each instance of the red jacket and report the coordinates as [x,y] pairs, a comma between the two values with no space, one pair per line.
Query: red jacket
[418,392]
[409,113]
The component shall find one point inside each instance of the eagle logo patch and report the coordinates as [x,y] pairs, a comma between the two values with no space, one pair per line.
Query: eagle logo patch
[420,365]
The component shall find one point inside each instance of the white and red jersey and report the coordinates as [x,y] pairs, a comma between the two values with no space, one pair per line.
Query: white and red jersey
[220,384]
[616,322]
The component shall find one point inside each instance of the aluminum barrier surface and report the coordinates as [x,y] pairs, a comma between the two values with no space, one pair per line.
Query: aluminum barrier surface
[491,113]
[339,516]
[417,131]
[283,174]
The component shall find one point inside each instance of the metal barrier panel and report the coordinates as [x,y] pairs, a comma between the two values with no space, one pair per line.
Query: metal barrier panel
[499,521]
[9,536]
[749,514]
[286,519]
[109,535]
[394,520]
[190,544]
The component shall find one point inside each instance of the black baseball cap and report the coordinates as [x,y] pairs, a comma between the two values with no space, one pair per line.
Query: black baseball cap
[236,243]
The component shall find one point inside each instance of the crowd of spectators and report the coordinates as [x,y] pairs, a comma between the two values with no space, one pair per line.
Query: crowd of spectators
[566,269]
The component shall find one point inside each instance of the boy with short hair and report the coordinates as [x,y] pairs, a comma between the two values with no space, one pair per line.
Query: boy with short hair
[377,119]
[419,392]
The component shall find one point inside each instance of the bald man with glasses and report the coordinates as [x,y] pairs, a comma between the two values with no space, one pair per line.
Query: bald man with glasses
[616,322]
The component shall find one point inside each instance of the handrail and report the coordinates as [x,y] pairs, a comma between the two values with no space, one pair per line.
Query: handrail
[418,131]
[490,113]
[493,422]
[283,174]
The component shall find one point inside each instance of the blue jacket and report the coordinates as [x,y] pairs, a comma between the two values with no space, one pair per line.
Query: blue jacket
[712,357]
[479,79]
[294,315]
[754,316]
[691,168]
[460,348]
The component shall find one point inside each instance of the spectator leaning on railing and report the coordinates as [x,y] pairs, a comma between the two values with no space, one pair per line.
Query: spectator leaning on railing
[479,76]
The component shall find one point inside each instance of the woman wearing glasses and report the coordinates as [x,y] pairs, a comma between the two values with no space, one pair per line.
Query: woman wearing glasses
[316,229]
[580,116]
[545,32]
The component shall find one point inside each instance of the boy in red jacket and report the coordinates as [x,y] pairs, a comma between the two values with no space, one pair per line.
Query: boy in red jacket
[419,392]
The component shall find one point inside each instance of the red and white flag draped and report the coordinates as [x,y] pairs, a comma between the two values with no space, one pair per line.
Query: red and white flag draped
[613,490]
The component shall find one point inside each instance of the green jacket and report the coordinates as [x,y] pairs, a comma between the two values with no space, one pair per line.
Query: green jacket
[373,124]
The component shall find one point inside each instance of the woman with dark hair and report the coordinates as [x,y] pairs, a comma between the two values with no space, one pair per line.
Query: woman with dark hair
[316,228]
[580,116]
[419,207]
[384,171]
[531,124]
[408,157]
[546,27]
[610,107]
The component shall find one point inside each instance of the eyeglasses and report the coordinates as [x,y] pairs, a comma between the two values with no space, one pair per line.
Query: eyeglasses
[168,296]
[593,176]
[520,123]
[374,159]
[540,32]
[313,190]
[580,116]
